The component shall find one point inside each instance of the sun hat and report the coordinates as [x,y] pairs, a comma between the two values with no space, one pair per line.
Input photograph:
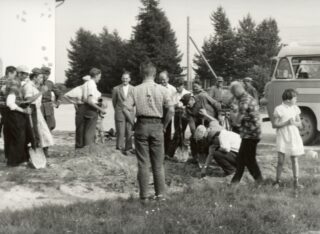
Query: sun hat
[23,69]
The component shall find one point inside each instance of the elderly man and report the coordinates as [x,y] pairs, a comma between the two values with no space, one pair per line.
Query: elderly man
[123,126]
[224,146]
[248,121]
[47,103]
[164,80]
[249,88]
[150,100]
[216,92]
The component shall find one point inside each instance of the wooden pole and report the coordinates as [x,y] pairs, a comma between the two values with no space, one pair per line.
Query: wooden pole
[203,57]
[188,54]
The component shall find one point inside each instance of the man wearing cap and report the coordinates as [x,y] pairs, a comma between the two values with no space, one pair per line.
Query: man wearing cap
[23,74]
[180,118]
[47,103]
[216,92]
[193,106]
[223,146]
[150,100]
[249,88]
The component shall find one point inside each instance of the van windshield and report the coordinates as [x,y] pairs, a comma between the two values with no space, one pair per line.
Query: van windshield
[306,67]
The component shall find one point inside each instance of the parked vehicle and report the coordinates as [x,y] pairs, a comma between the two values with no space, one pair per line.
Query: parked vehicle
[297,66]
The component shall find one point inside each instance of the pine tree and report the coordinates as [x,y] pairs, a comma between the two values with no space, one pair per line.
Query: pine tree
[112,59]
[82,56]
[154,40]
[219,49]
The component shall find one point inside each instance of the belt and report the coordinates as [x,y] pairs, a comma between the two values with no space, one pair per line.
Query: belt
[149,119]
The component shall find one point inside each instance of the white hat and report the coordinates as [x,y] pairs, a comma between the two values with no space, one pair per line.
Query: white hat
[86,78]
[23,68]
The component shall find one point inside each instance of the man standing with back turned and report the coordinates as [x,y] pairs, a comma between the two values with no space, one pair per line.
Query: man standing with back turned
[149,99]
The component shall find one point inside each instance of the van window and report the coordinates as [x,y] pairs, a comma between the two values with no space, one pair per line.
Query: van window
[273,66]
[306,67]
[284,69]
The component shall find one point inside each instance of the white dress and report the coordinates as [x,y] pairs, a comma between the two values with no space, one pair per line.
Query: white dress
[289,140]
[46,139]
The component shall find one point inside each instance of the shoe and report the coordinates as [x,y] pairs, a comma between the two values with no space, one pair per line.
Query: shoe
[124,152]
[144,201]
[276,184]
[297,186]
[160,198]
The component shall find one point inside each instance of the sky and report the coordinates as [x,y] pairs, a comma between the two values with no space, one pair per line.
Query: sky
[298,20]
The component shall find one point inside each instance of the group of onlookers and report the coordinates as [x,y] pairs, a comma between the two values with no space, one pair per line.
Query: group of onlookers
[148,113]
[27,111]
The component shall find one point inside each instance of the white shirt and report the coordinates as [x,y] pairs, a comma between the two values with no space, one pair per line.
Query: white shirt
[172,90]
[76,94]
[229,141]
[30,90]
[11,102]
[90,89]
[177,97]
[125,90]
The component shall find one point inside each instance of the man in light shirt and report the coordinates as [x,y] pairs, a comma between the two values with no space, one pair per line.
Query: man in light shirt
[223,145]
[180,118]
[123,126]
[164,80]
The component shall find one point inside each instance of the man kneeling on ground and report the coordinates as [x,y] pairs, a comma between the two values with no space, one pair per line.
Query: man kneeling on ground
[224,146]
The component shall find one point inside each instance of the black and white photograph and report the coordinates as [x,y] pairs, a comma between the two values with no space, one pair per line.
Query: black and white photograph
[159,116]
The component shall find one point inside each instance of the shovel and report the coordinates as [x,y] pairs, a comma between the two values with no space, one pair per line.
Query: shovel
[182,153]
[37,157]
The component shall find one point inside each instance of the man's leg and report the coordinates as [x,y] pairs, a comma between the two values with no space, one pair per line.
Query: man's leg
[240,162]
[121,130]
[226,160]
[79,127]
[128,136]
[251,161]
[167,138]
[142,153]
[157,158]
[90,130]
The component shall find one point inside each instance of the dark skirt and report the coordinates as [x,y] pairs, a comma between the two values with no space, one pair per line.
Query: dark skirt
[16,131]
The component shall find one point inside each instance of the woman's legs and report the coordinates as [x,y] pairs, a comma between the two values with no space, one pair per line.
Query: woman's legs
[295,171]
[281,157]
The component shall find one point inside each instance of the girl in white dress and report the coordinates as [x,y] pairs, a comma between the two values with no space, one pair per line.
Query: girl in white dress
[289,142]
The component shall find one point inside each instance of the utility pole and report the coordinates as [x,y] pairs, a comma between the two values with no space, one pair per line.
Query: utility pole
[188,55]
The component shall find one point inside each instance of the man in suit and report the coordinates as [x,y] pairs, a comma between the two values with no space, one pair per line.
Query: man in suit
[123,127]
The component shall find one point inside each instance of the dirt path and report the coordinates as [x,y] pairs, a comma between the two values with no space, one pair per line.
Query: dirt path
[99,172]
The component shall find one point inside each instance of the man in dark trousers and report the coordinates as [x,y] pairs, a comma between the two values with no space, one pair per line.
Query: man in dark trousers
[248,121]
[150,100]
[47,106]
[123,126]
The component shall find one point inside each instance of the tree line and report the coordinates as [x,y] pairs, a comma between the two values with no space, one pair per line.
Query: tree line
[232,52]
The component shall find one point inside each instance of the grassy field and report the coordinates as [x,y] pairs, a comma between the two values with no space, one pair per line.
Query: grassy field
[200,206]
[207,209]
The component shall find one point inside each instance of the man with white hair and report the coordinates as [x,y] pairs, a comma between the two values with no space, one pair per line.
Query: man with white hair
[248,121]
[164,80]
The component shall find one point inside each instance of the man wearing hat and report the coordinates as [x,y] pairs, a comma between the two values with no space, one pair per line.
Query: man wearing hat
[223,146]
[193,106]
[23,74]
[216,92]
[249,88]
[47,102]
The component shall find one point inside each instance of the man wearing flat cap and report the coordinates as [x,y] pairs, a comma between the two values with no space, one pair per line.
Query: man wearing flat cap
[249,88]
[216,91]
[47,107]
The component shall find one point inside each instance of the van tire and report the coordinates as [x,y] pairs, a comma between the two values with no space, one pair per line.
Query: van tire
[309,126]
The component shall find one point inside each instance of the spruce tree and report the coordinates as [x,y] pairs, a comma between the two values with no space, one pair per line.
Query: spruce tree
[83,55]
[219,49]
[154,40]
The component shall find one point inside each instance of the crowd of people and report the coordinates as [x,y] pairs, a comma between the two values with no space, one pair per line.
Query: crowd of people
[148,113]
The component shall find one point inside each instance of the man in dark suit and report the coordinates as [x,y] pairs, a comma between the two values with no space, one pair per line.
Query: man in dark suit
[123,127]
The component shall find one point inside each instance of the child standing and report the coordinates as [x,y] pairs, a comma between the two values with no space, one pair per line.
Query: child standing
[289,142]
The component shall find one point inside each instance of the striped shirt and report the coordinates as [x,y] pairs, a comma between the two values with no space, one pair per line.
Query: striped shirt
[149,99]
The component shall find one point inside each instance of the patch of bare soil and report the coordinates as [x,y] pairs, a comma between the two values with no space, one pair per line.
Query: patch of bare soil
[99,172]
